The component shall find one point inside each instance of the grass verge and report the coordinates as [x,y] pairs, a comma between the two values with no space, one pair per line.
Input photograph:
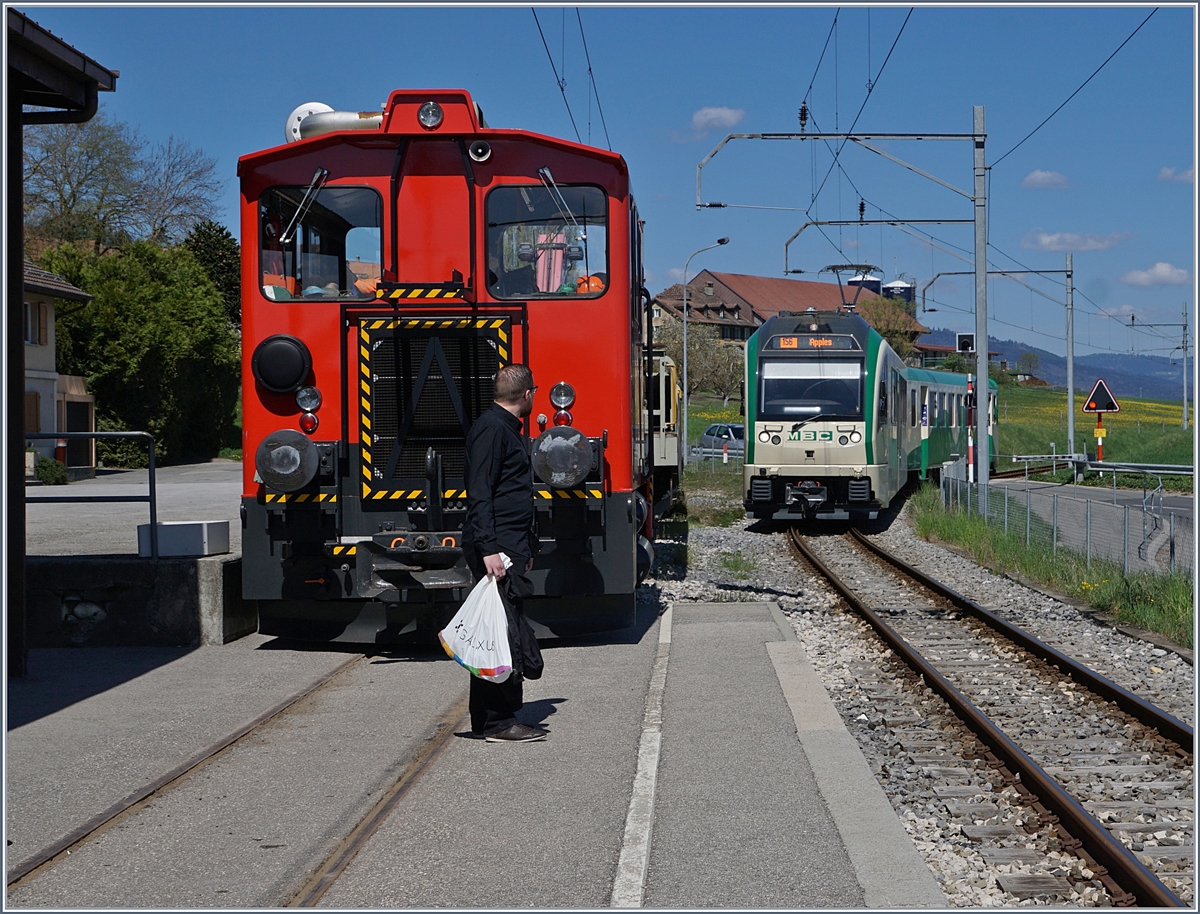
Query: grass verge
[1161,603]
[713,495]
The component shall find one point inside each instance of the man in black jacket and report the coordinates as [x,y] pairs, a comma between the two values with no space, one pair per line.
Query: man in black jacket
[500,520]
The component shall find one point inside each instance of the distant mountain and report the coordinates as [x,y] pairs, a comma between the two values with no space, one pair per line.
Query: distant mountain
[1126,374]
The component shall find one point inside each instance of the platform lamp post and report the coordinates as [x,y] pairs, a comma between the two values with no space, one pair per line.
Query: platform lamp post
[720,241]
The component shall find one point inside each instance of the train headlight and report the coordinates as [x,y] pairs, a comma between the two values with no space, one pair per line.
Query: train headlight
[562,395]
[308,399]
[430,115]
[764,437]
[843,440]
[281,363]
[775,439]
[562,457]
[286,460]
[856,437]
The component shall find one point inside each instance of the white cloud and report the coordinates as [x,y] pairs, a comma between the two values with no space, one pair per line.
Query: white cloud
[850,243]
[1037,240]
[1161,274]
[716,118]
[1183,177]
[675,274]
[1039,178]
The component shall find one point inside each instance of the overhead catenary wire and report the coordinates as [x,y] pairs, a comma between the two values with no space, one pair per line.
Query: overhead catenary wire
[561,83]
[592,77]
[882,66]
[1076,92]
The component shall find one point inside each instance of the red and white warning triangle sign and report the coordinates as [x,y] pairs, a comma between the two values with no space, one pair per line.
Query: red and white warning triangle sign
[1101,400]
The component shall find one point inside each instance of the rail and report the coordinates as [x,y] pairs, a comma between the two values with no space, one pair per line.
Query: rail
[1110,853]
[150,497]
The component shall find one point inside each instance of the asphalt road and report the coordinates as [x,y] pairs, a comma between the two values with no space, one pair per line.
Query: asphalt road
[192,492]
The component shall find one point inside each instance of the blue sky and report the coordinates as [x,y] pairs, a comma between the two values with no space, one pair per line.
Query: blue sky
[1110,177]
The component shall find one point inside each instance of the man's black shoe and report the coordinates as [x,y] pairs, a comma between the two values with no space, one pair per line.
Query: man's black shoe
[517,733]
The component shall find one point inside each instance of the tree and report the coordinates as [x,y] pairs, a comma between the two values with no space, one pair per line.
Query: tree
[891,322]
[96,182]
[1028,363]
[219,254]
[703,343]
[956,363]
[82,182]
[154,343]
[729,362]
[179,188]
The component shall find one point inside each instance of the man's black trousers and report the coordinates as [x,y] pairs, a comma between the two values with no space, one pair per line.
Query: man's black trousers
[494,705]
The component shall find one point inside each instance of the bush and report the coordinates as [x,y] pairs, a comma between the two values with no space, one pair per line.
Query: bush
[156,346]
[50,471]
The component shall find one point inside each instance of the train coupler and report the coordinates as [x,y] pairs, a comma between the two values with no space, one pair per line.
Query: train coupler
[807,494]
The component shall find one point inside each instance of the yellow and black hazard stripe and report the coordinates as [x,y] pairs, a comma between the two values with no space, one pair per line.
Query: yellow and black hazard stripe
[546,495]
[394,291]
[342,550]
[370,331]
[296,498]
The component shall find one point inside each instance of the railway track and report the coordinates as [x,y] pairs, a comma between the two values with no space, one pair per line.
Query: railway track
[1099,771]
[322,872]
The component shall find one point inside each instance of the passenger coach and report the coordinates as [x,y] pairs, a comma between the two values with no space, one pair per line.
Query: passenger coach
[837,424]
[392,262]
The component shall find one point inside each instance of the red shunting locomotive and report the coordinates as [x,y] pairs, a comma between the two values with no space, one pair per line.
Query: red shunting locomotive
[391,263]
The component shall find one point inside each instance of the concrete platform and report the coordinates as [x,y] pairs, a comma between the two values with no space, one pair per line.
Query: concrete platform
[762,798]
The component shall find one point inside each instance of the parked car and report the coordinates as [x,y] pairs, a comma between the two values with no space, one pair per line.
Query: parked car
[717,438]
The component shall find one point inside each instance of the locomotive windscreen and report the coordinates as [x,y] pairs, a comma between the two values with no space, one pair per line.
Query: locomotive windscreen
[805,389]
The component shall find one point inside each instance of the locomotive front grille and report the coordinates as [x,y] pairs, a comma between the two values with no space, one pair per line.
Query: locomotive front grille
[760,489]
[859,489]
[422,383]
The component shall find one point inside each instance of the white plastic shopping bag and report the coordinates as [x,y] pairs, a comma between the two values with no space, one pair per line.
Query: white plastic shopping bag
[477,636]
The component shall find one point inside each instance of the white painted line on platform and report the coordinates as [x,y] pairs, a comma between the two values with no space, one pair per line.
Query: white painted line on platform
[629,887]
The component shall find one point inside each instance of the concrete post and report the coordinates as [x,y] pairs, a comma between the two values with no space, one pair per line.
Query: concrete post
[1070,358]
[983,406]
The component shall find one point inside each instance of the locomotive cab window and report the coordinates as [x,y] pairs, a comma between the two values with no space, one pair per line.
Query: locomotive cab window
[320,244]
[547,241]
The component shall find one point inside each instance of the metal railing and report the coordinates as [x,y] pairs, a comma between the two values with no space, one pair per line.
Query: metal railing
[150,497]
[1063,517]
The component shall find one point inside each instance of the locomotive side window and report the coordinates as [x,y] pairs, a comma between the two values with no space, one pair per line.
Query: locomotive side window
[333,249]
[547,240]
[807,389]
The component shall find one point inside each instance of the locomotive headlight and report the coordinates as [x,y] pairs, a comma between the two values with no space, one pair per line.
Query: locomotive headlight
[775,439]
[562,395]
[856,437]
[562,457]
[430,115]
[843,440]
[308,399]
[281,363]
[764,437]
[286,460]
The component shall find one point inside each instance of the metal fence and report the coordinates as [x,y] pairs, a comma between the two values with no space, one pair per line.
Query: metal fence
[1139,535]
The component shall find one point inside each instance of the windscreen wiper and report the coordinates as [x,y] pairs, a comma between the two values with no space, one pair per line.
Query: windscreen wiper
[310,194]
[559,200]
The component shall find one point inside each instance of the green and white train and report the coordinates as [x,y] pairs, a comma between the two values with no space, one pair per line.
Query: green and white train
[837,424]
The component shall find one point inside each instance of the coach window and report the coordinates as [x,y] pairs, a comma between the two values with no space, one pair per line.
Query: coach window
[320,246]
[547,241]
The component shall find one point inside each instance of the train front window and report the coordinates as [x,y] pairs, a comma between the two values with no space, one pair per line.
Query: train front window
[334,250]
[804,389]
[547,240]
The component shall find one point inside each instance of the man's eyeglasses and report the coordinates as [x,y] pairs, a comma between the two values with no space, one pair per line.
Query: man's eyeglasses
[532,390]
